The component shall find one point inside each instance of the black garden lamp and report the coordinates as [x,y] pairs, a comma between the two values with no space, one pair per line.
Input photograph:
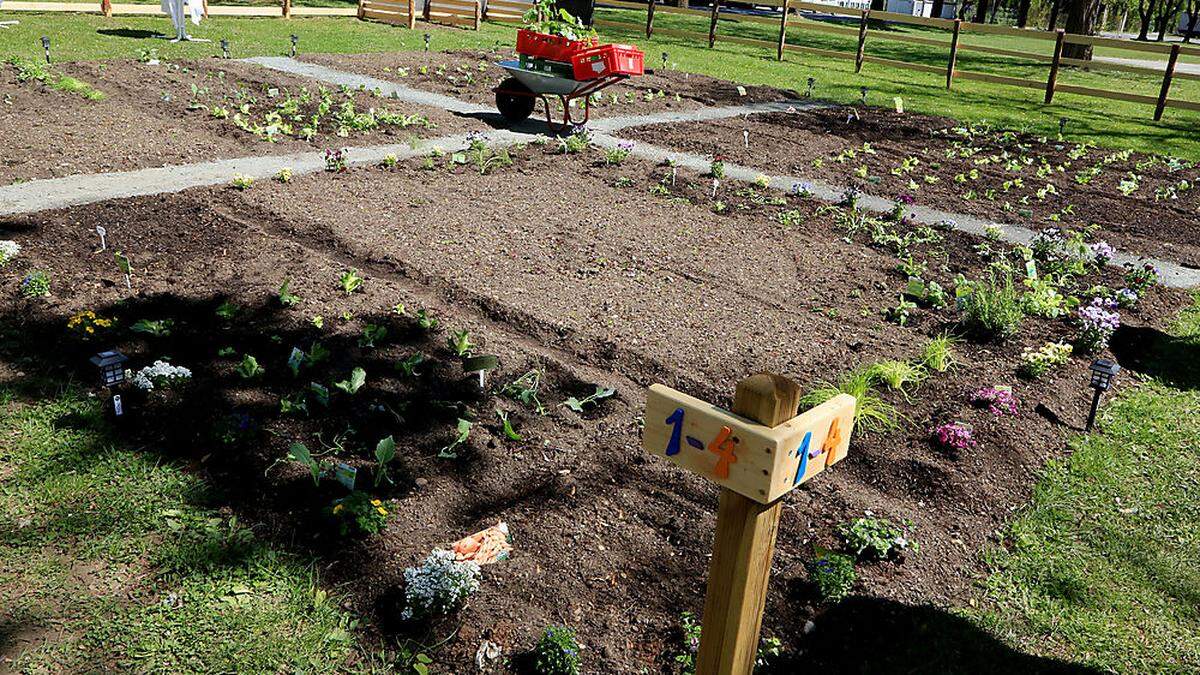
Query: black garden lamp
[112,367]
[1062,125]
[224,48]
[1103,371]
[863,93]
[427,42]
[812,82]
[295,40]
[664,60]
[46,47]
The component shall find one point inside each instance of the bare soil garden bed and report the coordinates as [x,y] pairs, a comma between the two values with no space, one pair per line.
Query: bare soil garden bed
[186,111]
[1143,204]
[592,273]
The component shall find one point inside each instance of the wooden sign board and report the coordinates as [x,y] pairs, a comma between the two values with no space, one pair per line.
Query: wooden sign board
[759,462]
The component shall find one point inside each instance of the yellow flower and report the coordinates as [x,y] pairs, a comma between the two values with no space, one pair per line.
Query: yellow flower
[338,508]
[382,511]
[376,502]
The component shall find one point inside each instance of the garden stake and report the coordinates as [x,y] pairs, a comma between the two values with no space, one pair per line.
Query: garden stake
[224,48]
[716,182]
[46,47]
[102,232]
[812,81]
[295,39]
[746,138]
[757,454]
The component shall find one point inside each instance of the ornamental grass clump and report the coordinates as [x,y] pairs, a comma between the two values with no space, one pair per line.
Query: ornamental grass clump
[557,652]
[438,586]
[992,309]
[999,400]
[1097,322]
[872,414]
[938,355]
[954,436]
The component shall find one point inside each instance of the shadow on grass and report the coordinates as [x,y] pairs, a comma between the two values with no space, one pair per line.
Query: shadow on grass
[1174,360]
[876,636]
[131,33]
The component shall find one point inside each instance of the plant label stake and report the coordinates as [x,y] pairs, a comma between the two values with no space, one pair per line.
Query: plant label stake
[757,453]
[118,406]
[746,138]
[674,169]
[664,55]
[102,232]
[224,48]
[46,47]
[716,183]
[427,42]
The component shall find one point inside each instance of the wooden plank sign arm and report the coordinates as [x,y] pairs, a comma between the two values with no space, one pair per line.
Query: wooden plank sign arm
[758,452]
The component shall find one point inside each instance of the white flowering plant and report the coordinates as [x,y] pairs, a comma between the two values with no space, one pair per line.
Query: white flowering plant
[439,585]
[9,249]
[161,375]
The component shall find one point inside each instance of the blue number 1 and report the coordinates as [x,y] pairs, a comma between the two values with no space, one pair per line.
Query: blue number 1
[676,420]
[803,452]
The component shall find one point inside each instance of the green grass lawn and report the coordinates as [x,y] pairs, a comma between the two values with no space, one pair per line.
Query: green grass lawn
[112,559]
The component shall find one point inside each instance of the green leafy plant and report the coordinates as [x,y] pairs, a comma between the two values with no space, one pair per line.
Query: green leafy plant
[408,365]
[36,284]
[385,452]
[691,630]
[286,297]
[249,368]
[877,538]
[160,328]
[358,377]
[299,452]
[545,17]
[426,320]
[509,432]
[1037,362]
[460,343]
[833,574]
[557,652]
[901,313]
[228,310]
[578,404]
[243,182]
[462,432]
[897,375]
[525,389]
[350,281]
[358,512]
[372,336]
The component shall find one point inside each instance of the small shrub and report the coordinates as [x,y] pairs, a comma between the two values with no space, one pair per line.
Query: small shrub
[359,512]
[438,586]
[878,538]
[1037,362]
[897,375]
[243,182]
[617,156]
[954,436]
[833,573]
[717,168]
[557,652]
[991,311]
[577,142]
[36,284]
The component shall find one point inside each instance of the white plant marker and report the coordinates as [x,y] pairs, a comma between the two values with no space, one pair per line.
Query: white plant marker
[103,233]
[716,183]
[674,169]
[746,138]
[118,407]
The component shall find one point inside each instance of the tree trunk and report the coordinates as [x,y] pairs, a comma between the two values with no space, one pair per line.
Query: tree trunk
[1145,16]
[1023,13]
[1193,15]
[936,10]
[1081,20]
[981,11]
[878,5]
[1053,22]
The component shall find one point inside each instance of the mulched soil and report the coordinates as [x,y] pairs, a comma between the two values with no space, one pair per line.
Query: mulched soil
[161,115]
[471,75]
[1152,220]
[568,265]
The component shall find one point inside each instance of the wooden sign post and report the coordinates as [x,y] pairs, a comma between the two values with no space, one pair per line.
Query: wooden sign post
[757,452]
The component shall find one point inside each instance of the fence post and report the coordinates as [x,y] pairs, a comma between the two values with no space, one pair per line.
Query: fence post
[1166,85]
[782,30]
[712,24]
[744,546]
[650,19]
[862,41]
[106,8]
[478,12]
[412,14]
[1058,45]
[953,53]
[361,9]
[287,9]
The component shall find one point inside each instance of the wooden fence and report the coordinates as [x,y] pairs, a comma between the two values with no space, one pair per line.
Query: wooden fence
[107,8]
[464,13]
[798,15]
[396,12]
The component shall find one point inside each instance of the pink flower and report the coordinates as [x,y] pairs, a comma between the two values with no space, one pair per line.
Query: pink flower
[954,436]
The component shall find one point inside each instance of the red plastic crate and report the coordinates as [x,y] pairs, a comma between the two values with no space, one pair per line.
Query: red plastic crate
[607,60]
[550,47]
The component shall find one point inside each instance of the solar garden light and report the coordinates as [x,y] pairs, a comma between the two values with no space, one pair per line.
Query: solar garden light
[1103,372]
[1062,125]
[812,81]
[112,373]
[224,48]
[427,42]
[295,39]
[480,365]
[664,60]
[46,47]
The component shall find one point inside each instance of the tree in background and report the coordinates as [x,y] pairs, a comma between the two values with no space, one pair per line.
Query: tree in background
[1165,16]
[1081,20]
[1193,12]
[1145,11]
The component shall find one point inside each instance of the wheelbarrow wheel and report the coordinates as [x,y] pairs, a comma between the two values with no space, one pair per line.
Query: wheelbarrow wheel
[514,100]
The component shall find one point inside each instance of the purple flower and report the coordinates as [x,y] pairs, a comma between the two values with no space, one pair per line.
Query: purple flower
[998,400]
[906,199]
[627,146]
[1097,322]
[954,436]
[803,188]
[1102,252]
